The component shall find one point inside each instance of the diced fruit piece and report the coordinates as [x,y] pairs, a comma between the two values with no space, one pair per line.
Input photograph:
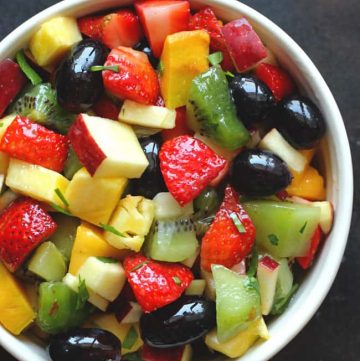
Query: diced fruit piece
[12,81]
[106,108]
[180,128]
[6,198]
[156,284]
[211,110]
[48,262]
[210,284]
[283,229]
[72,164]
[230,237]
[306,261]
[182,353]
[91,26]
[130,313]
[162,18]
[207,203]
[136,79]
[5,123]
[53,40]
[267,276]
[35,181]
[132,218]
[244,45]
[89,242]
[326,215]
[188,165]
[237,302]
[196,288]
[239,344]
[190,262]
[33,143]
[16,312]
[166,207]
[184,57]
[147,115]
[24,225]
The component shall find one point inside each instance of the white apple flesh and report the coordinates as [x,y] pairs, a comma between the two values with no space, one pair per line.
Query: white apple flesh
[326,215]
[131,313]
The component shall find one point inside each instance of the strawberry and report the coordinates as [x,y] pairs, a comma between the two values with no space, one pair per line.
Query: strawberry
[23,225]
[136,79]
[35,144]
[188,165]
[224,243]
[156,284]
[277,79]
[181,127]
[206,19]
[106,108]
[306,261]
[91,26]
[149,353]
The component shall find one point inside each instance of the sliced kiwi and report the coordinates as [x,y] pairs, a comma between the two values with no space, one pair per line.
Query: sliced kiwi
[211,111]
[39,104]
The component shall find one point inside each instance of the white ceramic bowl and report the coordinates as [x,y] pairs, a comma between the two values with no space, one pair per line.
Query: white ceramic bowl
[337,163]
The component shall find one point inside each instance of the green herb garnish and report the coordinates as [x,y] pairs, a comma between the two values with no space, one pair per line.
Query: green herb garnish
[130,338]
[30,73]
[139,266]
[230,74]
[83,294]
[114,68]
[107,260]
[253,263]
[111,229]
[302,229]
[240,227]
[62,197]
[61,210]
[177,280]
[216,58]
[273,239]
[280,305]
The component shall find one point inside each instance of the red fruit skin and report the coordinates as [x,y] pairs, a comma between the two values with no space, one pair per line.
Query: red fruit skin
[106,108]
[206,19]
[149,353]
[136,79]
[269,263]
[155,283]
[12,81]
[91,26]
[35,144]
[223,244]
[181,127]
[188,166]
[277,79]
[161,18]
[244,45]
[306,261]
[24,224]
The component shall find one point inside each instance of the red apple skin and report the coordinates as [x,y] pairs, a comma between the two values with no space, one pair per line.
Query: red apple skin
[85,147]
[244,45]
[162,354]
[269,263]
[12,81]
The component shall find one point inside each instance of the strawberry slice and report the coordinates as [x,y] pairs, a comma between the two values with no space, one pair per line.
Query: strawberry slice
[224,243]
[277,79]
[206,19]
[188,165]
[156,284]
[106,108]
[23,225]
[181,127]
[306,261]
[91,26]
[35,144]
[136,79]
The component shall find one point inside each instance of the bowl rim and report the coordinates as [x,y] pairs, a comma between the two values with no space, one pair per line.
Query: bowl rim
[323,273]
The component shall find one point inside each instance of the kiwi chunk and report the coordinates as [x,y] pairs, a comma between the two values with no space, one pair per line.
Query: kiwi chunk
[211,110]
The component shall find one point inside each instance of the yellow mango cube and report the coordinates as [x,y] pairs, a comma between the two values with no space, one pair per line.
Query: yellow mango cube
[94,199]
[185,56]
[54,39]
[35,181]
[16,312]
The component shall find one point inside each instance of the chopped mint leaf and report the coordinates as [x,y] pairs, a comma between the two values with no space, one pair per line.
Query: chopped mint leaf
[130,338]
[273,239]
[177,280]
[216,58]
[114,68]
[251,283]
[281,304]
[253,263]
[61,210]
[62,197]
[30,73]
[230,74]
[302,229]
[107,260]
[240,227]
[111,229]
[132,357]
[139,266]
[161,67]
[83,294]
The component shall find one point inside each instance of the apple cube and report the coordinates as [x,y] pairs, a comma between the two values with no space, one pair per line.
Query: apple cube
[130,313]
[167,207]
[244,45]
[196,288]
[107,148]
[181,353]
[326,215]
[94,199]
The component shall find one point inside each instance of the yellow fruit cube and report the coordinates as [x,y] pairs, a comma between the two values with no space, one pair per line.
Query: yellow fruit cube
[5,122]
[35,181]
[16,312]
[54,39]
[94,199]
[185,56]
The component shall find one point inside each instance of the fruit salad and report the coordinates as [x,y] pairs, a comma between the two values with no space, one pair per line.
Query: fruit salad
[161,194]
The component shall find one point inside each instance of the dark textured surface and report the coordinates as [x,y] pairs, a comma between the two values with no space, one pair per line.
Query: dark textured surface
[329,31]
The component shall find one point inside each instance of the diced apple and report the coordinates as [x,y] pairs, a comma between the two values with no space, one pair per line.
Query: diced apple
[35,181]
[167,207]
[130,313]
[190,262]
[181,353]
[196,288]
[107,148]
[326,215]
[210,291]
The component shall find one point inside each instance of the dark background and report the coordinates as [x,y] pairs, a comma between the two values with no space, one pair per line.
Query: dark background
[329,31]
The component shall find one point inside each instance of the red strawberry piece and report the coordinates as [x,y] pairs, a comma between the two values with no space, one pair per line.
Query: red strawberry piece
[181,127]
[160,102]
[156,284]
[136,79]
[149,353]
[35,144]
[91,26]
[306,261]
[224,243]
[24,224]
[206,19]
[12,81]
[106,108]
[277,79]
[188,166]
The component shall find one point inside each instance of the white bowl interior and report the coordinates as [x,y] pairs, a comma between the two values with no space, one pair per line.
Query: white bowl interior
[336,154]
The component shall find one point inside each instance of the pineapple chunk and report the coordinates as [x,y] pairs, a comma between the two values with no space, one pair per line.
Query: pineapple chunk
[5,122]
[89,242]
[133,217]
[35,181]
[16,312]
[185,56]
[54,39]
[94,199]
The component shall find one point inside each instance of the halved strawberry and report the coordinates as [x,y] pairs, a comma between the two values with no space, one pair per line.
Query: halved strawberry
[156,284]
[23,225]
[91,26]
[136,79]
[181,127]
[226,243]
[106,108]
[161,18]
[35,144]
[306,261]
[188,166]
